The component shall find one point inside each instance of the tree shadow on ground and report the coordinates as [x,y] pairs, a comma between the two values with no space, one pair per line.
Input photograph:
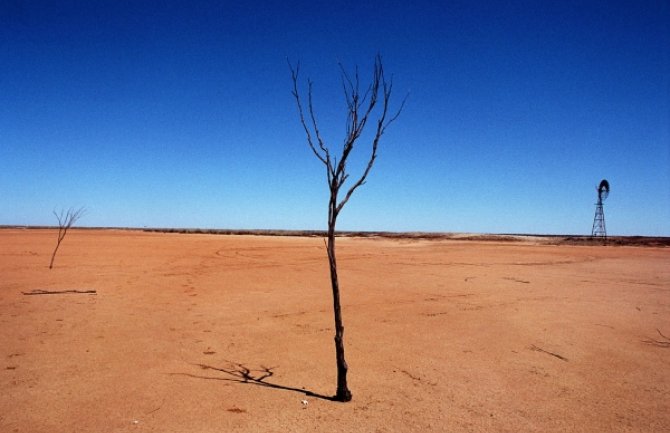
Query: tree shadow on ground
[236,372]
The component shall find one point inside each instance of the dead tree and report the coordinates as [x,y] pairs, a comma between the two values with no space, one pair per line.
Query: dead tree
[360,108]
[65,221]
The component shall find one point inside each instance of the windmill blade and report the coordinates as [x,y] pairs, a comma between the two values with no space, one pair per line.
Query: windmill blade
[603,189]
[604,185]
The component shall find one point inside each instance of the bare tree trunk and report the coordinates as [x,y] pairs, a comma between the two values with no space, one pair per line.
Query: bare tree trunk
[53,256]
[343,393]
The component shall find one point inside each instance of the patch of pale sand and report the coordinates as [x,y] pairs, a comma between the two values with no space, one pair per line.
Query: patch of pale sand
[440,335]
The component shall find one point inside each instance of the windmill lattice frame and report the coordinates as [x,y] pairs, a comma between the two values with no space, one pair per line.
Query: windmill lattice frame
[599,229]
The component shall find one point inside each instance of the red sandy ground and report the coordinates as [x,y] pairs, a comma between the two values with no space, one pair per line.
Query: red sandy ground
[458,336]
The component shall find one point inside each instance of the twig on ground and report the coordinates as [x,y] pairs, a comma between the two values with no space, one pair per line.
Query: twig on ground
[59,292]
[556,355]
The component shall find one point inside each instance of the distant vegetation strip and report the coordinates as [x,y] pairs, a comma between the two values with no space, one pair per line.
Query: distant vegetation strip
[653,241]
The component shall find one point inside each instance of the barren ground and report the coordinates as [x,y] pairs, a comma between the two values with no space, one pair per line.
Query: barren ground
[441,335]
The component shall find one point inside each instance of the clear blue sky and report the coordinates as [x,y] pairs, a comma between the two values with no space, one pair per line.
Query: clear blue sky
[179,114]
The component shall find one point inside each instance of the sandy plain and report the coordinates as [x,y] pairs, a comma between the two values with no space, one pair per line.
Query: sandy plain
[441,335]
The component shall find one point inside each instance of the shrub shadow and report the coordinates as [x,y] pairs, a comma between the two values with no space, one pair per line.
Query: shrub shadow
[240,373]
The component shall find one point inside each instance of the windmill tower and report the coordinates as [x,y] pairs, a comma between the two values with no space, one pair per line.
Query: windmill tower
[599,219]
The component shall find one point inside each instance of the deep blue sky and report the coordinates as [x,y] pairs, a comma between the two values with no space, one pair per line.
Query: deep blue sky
[179,114]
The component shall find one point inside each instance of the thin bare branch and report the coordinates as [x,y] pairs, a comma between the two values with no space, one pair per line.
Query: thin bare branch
[397,113]
[324,154]
[360,181]
[382,124]
[322,145]
[65,221]
[294,76]
[307,131]
[347,87]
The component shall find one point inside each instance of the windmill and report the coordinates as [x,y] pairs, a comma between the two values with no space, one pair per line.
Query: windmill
[599,220]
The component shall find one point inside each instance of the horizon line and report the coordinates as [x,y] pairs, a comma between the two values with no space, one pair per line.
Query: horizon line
[347,233]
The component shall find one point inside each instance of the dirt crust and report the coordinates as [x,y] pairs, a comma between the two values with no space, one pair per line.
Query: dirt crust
[137,331]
